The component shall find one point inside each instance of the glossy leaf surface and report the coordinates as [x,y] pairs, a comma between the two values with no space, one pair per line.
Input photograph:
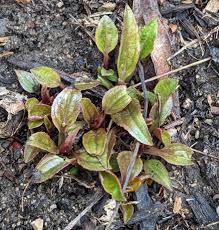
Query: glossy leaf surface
[27,81]
[124,161]
[115,99]
[49,166]
[157,172]
[66,108]
[94,141]
[43,142]
[89,110]
[148,34]
[129,50]
[106,35]
[112,185]
[128,211]
[46,76]
[131,119]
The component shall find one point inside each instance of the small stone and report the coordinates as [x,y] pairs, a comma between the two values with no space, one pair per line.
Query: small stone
[209,121]
[60,4]
[37,224]
[187,103]
[197,134]
[52,207]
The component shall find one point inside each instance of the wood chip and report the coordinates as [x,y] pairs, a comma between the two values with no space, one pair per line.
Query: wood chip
[212,6]
[37,224]
[215,110]
[23,1]
[6,53]
[3,40]
[108,6]
[177,205]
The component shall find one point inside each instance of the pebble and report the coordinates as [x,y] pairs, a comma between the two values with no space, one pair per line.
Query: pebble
[52,207]
[217,210]
[187,103]
[60,4]
[209,121]
[197,134]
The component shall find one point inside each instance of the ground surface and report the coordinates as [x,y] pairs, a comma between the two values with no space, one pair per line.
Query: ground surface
[44,32]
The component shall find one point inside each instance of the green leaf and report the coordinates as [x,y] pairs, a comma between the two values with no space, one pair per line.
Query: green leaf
[135,93]
[124,161]
[128,211]
[27,81]
[34,124]
[157,172]
[112,185]
[106,35]
[94,141]
[176,154]
[152,97]
[48,167]
[163,135]
[38,111]
[43,142]
[131,119]
[31,102]
[89,110]
[129,50]
[86,85]
[165,110]
[109,74]
[165,88]
[93,163]
[48,124]
[30,152]
[104,82]
[66,108]
[115,99]
[46,76]
[148,34]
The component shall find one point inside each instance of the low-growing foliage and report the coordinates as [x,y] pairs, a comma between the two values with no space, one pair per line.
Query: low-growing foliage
[72,130]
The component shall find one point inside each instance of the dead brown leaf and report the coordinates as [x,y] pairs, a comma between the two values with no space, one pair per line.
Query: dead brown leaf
[3,40]
[23,1]
[108,6]
[6,53]
[177,205]
[145,11]
[212,6]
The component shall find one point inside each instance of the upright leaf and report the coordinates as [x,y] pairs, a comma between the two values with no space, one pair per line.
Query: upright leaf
[157,172]
[112,185]
[106,35]
[94,141]
[128,211]
[48,167]
[163,136]
[109,74]
[129,50]
[89,110]
[30,152]
[66,108]
[131,119]
[148,34]
[27,81]
[116,99]
[46,76]
[165,88]
[124,161]
[43,142]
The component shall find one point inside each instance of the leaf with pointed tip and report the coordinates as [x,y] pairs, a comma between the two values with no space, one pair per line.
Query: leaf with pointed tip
[131,119]
[105,82]
[129,50]
[86,85]
[30,152]
[66,108]
[34,124]
[106,35]
[48,124]
[128,211]
[176,154]
[124,161]
[109,74]
[115,99]
[165,110]
[112,185]
[94,141]
[43,142]
[162,135]
[48,167]
[165,88]
[46,76]
[157,172]
[89,110]
[27,81]
[148,34]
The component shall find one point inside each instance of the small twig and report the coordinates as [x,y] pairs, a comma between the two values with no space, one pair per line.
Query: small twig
[6,53]
[204,154]
[97,196]
[22,198]
[174,71]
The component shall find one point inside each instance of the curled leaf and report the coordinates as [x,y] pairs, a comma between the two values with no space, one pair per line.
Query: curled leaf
[128,211]
[129,50]
[134,185]
[116,99]
[157,172]
[43,142]
[112,185]
[66,108]
[94,141]
[46,76]
[27,81]
[106,35]
[89,110]
[163,136]
[148,34]
[124,161]
[131,119]
[48,167]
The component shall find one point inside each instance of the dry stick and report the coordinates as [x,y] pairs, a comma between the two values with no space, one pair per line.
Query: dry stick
[97,196]
[136,150]
[174,71]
